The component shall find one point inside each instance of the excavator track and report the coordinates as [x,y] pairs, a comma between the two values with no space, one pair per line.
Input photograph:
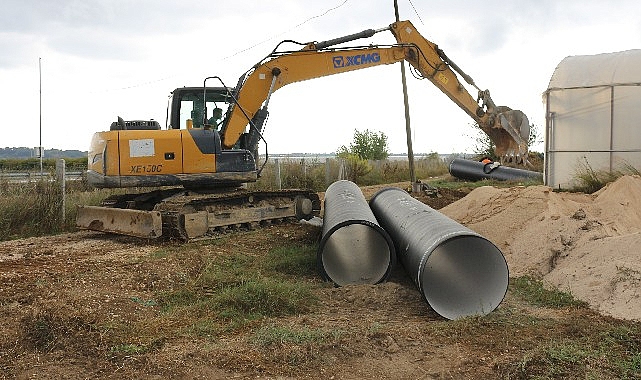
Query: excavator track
[188,215]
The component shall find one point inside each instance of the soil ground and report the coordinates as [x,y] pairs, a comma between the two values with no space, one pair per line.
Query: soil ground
[62,297]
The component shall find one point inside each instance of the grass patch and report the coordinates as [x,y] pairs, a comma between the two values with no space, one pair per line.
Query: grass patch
[205,328]
[247,300]
[375,328]
[143,302]
[582,357]
[35,208]
[227,292]
[590,180]
[449,182]
[534,292]
[297,260]
[281,335]
[49,329]
[576,344]
[558,360]
[127,350]
[293,346]
[264,297]
[313,173]
[29,209]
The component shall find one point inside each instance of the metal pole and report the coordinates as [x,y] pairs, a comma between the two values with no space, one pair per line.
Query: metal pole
[408,129]
[40,153]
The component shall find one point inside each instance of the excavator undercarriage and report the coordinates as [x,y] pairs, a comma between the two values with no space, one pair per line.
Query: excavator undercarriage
[189,215]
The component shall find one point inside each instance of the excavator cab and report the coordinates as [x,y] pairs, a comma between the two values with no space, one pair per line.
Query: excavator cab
[188,108]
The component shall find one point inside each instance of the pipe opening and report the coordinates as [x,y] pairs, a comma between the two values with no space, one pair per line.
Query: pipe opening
[464,276]
[354,248]
[356,254]
[458,272]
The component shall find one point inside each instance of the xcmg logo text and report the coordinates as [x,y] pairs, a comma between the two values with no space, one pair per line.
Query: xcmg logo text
[355,60]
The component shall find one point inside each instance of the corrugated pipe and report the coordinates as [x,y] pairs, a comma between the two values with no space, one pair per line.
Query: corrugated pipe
[458,272]
[354,249]
[474,170]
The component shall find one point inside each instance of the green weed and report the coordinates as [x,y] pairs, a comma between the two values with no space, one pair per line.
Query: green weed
[276,335]
[144,302]
[49,329]
[234,289]
[292,260]
[265,298]
[128,350]
[534,292]
[590,180]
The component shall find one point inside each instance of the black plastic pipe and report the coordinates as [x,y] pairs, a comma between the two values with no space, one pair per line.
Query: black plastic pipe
[458,272]
[474,171]
[354,249]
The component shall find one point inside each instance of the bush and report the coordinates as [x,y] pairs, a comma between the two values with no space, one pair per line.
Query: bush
[354,168]
[35,208]
[31,209]
[294,174]
[48,164]
[366,145]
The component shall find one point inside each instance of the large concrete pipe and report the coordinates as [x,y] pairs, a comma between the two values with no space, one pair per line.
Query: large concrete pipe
[474,171]
[353,249]
[458,272]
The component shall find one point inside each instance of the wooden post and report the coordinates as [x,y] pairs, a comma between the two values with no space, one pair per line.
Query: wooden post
[60,177]
[408,129]
[327,172]
[279,184]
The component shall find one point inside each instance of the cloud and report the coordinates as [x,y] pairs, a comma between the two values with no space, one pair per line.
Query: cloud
[108,57]
[96,29]
[19,50]
[98,44]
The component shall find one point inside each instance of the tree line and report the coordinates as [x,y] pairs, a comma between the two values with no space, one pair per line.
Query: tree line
[24,153]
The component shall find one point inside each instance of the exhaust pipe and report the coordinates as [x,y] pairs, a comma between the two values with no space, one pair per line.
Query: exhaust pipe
[474,171]
[458,272]
[353,249]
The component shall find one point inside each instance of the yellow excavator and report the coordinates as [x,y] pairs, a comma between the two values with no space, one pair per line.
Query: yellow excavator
[209,147]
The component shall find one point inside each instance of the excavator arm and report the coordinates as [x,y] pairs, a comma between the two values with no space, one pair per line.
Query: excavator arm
[508,129]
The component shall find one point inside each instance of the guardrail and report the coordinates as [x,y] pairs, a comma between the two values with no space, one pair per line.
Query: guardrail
[22,177]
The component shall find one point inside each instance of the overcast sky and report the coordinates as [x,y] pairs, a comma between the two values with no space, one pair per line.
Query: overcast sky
[107,58]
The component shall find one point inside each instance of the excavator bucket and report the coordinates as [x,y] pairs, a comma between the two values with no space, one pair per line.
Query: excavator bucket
[144,224]
[510,134]
[516,123]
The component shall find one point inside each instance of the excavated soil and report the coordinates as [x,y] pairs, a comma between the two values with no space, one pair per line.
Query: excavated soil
[587,245]
[56,290]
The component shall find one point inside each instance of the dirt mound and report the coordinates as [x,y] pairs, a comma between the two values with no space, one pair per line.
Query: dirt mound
[584,244]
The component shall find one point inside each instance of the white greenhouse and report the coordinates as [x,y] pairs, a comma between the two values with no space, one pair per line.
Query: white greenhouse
[593,116]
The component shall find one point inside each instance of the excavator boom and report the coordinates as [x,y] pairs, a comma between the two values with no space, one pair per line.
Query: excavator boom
[507,128]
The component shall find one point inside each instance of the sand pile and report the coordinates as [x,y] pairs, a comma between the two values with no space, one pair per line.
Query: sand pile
[588,245]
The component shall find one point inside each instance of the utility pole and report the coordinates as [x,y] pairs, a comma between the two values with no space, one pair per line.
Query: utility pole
[408,129]
[40,150]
